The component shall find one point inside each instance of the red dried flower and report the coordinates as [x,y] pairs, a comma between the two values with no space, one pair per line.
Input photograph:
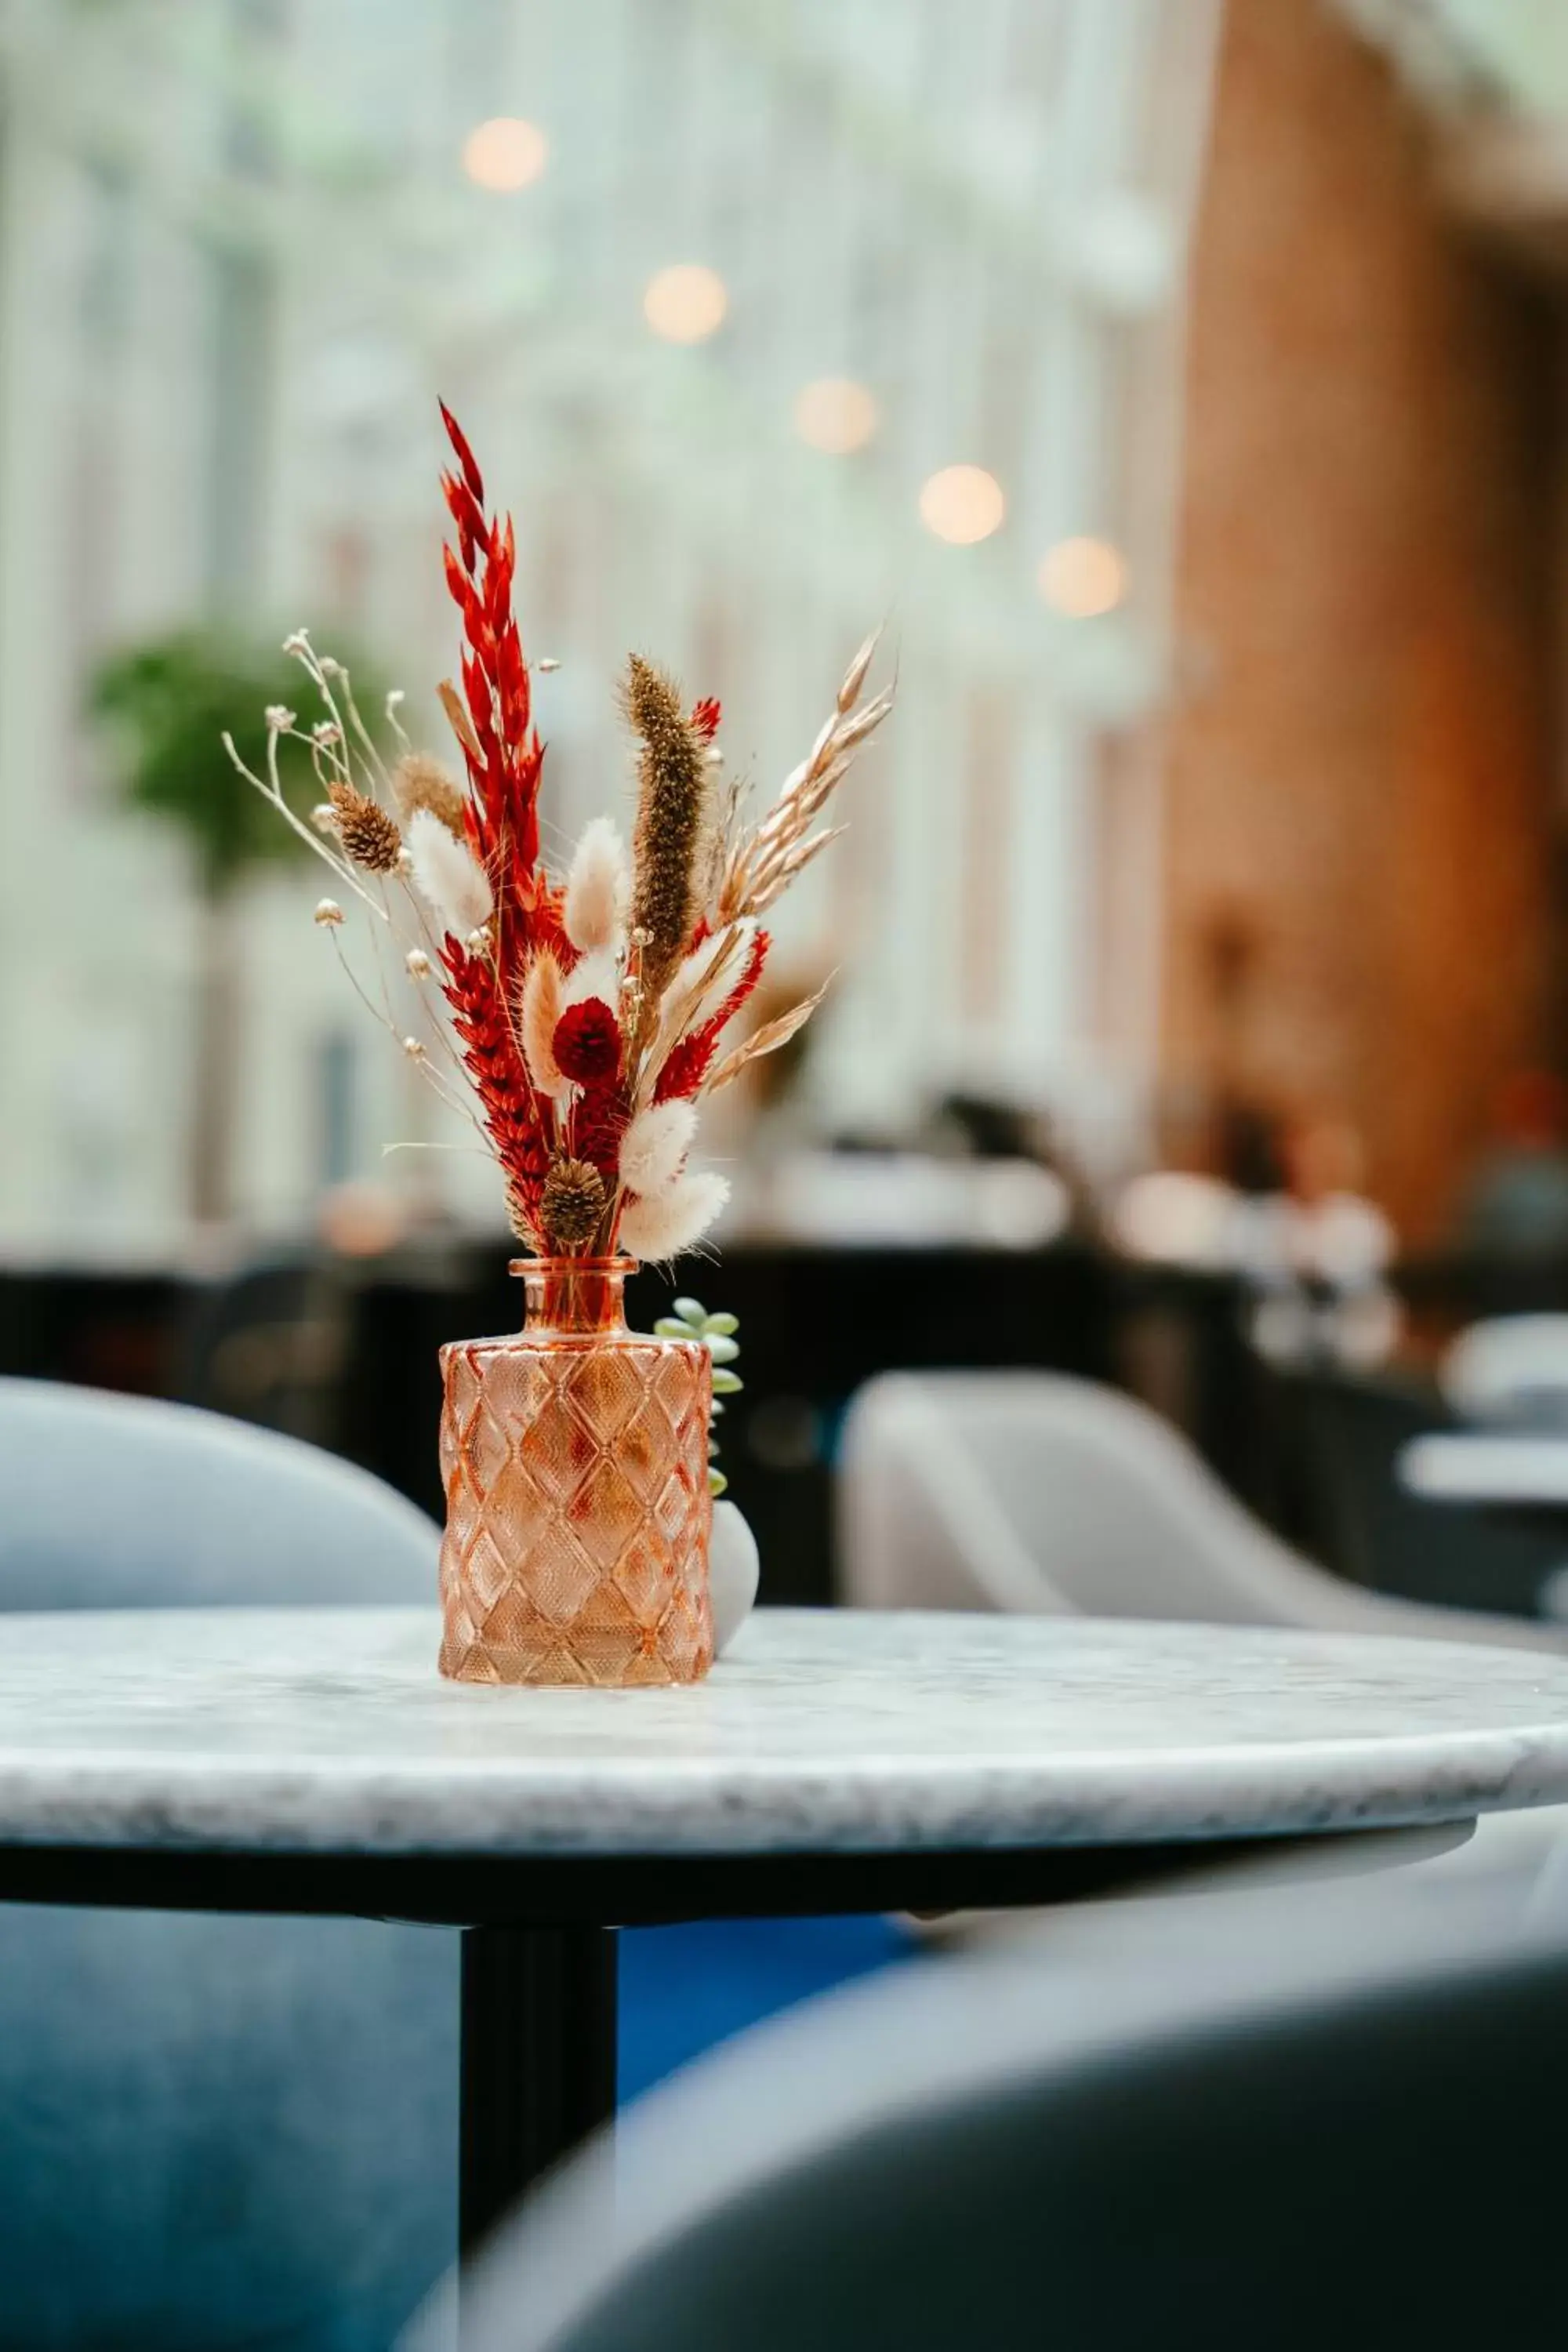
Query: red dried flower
[587,1043]
[704,719]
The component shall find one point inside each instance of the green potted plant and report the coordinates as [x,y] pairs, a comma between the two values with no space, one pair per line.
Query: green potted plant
[164,705]
[734,1566]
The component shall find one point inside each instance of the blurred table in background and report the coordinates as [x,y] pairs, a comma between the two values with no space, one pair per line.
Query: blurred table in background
[1468,1465]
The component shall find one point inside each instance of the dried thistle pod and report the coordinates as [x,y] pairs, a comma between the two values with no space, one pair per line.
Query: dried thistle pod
[673,776]
[572,1202]
[367,833]
[420,782]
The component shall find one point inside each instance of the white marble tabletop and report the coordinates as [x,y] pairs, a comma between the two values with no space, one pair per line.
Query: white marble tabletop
[329,1730]
[1480,1465]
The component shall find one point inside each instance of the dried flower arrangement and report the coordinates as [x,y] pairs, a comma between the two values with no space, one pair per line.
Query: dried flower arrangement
[589,1015]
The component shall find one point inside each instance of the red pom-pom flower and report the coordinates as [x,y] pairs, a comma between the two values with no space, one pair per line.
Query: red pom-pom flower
[587,1043]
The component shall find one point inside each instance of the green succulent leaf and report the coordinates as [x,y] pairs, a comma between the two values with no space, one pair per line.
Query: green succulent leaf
[691,1311]
[668,1328]
[726,1383]
[722,1351]
[717,1405]
[720,1327]
[717,1482]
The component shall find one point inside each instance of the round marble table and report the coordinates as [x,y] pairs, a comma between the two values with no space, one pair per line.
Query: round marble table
[312,1760]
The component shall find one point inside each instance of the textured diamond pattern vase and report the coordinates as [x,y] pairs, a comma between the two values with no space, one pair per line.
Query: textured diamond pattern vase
[575,1457]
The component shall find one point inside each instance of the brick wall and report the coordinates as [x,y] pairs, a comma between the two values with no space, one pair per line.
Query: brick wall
[1358,778]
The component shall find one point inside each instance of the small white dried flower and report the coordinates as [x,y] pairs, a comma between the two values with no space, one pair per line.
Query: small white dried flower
[417,964]
[478,941]
[328,912]
[396,700]
[414,1049]
[279,718]
[328,666]
[298,642]
[714,757]
[547,662]
[326,731]
[325,817]
[406,859]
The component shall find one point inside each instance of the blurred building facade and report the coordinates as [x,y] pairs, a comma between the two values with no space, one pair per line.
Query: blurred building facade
[1362,775]
[240,254]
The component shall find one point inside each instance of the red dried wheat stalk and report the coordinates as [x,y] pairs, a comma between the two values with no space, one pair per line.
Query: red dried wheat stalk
[506,1096]
[502,822]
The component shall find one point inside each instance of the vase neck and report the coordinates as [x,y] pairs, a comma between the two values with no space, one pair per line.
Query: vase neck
[573,1297]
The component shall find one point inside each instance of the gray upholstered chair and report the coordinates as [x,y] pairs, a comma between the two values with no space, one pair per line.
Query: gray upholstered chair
[1034,1492]
[214,2132]
[1204,2125]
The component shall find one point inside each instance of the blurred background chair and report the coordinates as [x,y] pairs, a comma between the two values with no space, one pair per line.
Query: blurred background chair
[213,2132]
[1216,2123]
[1038,1493]
[126,1502]
[1511,1368]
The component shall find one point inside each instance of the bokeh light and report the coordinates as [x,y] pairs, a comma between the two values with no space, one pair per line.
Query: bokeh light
[1081,577]
[686,302]
[962,504]
[505,154]
[835,415]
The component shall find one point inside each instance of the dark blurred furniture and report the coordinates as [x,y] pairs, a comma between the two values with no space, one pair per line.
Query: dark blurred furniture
[214,2132]
[1205,2127]
[102,1329]
[269,1346]
[814,1324]
[1446,1289]
[1345,1501]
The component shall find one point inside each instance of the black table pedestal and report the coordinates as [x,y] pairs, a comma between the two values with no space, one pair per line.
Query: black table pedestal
[538,2060]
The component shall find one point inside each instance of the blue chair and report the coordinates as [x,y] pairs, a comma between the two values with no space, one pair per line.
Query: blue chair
[214,2132]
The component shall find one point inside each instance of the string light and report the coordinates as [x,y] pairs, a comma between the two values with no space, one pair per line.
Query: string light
[835,415]
[685,302]
[962,504]
[1081,577]
[505,154]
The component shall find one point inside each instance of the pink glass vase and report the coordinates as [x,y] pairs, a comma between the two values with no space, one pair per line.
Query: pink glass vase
[575,1459]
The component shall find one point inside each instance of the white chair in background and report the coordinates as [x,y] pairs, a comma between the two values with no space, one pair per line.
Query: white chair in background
[1033,1493]
[1036,1493]
[1511,1368]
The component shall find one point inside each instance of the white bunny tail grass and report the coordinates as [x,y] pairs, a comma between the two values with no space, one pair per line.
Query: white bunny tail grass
[667,1222]
[598,889]
[594,975]
[538,1010]
[447,876]
[655,1144]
